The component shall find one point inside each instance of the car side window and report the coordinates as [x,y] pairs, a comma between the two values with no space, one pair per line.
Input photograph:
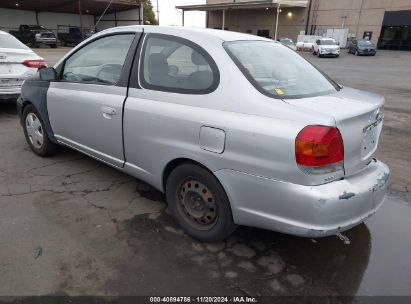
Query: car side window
[99,62]
[173,64]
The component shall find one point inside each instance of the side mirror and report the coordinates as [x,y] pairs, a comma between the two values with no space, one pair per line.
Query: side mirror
[48,74]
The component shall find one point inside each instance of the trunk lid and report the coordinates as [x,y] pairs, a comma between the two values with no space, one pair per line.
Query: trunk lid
[11,62]
[358,115]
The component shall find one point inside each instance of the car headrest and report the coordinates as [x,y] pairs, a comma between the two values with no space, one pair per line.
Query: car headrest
[157,64]
[198,59]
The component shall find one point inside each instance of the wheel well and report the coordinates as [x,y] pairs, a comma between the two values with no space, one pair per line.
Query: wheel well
[174,164]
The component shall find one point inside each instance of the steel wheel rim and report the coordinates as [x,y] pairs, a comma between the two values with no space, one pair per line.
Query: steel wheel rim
[34,130]
[196,203]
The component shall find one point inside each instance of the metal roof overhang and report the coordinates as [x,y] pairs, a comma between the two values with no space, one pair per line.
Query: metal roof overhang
[244,5]
[94,7]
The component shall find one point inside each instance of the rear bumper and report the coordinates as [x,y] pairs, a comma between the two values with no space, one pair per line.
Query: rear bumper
[7,94]
[309,211]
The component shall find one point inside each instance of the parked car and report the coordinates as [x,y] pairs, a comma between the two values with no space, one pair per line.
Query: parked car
[288,43]
[326,47]
[17,63]
[235,129]
[35,35]
[304,45]
[73,36]
[362,47]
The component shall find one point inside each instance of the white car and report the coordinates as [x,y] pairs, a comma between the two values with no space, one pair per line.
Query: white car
[17,63]
[326,47]
[304,45]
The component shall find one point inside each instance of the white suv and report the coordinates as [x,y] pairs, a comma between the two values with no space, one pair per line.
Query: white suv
[326,47]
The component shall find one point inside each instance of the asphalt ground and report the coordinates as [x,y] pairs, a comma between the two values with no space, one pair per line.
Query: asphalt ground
[70,225]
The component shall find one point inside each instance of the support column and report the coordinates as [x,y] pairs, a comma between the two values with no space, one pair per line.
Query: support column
[182,16]
[223,27]
[276,21]
[81,19]
[141,13]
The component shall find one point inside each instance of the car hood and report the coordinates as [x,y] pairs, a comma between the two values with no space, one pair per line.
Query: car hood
[367,47]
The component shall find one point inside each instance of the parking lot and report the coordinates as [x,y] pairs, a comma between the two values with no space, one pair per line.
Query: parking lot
[72,225]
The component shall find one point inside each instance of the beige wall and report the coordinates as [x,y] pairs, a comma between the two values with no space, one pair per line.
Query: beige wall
[362,15]
[243,20]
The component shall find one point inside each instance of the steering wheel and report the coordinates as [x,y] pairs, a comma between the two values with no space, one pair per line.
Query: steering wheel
[112,73]
[70,76]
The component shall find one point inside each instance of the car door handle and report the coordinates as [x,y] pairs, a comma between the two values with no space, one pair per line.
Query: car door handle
[108,112]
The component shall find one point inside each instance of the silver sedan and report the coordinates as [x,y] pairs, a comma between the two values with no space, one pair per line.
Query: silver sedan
[235,129]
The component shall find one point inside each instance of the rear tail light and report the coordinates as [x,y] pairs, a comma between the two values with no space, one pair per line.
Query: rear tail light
[39,63]
[319,149]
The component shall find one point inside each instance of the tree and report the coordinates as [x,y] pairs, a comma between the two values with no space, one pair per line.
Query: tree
[149,16]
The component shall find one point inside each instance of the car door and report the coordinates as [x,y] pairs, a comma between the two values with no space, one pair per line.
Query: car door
[316,44]
[353,46]
[85,105]
[167,108]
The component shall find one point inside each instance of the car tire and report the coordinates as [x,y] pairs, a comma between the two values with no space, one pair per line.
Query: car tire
[35,133]
[53,46]
[199,203]
[34,44]
[356,53]
[318,54]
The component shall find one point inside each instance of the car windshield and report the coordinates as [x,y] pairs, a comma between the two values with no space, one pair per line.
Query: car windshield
[364,42]
[277,71]
[9,42]
[37,27]
[327,42]
[286,41]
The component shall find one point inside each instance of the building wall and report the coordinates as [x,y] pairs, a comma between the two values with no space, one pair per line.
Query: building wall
[131,15]
[261,19]
[356,15]
[11,19]
[359,15]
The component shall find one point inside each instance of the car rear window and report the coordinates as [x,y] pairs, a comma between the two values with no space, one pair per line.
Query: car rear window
[277,71]
[9,42]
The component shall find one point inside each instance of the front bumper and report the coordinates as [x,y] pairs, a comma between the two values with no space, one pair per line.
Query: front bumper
[309,211]
[366,52]
[46,40]
[330,53]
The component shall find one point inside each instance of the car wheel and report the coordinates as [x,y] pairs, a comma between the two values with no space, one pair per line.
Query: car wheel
[34,44]
[318,54]
[35,133]
[199,203]
[356,53]
[53,46]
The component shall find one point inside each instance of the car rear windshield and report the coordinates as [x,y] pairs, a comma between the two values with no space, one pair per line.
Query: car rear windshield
[9,42]
[277,71]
